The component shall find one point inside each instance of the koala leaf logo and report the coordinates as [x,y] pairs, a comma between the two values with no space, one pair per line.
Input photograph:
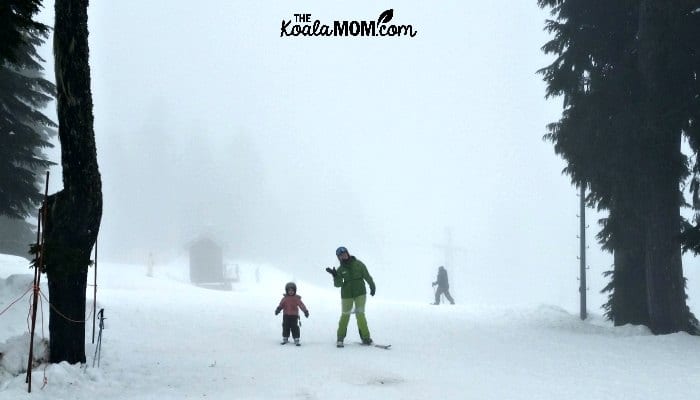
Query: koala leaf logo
[386,16]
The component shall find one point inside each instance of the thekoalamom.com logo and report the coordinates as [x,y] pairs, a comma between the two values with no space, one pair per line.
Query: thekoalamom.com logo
[301,25]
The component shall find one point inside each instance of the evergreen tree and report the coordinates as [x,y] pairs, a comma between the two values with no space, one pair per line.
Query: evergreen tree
[74,213]
[666,86]
[619,140]
[24,130]
[595,76]
[15,21]
[16,237]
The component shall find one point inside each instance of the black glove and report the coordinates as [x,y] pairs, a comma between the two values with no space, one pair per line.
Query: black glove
[372,291]
[306,314]
[332,271]
[277,310]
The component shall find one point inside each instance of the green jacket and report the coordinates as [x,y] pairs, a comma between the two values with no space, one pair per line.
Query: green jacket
[351,278]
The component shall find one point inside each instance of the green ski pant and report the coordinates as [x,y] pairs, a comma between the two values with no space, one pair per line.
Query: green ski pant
[347,304]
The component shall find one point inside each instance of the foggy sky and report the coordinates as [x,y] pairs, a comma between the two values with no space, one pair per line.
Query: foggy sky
[208,122]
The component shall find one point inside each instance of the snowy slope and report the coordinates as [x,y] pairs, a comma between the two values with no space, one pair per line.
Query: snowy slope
[167,339]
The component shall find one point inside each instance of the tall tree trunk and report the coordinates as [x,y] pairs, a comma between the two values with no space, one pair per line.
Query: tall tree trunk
[661,171]
[628,299]
[74,213]
[668,312]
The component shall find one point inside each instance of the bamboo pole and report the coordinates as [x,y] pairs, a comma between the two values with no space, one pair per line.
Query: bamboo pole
[37,278]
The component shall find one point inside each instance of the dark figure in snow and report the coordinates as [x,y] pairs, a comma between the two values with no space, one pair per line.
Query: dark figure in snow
[291,303]
[350,277]
[443,286]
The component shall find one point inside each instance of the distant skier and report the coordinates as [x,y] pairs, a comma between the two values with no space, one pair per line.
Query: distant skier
[350,277]
[291,303]
[443,286]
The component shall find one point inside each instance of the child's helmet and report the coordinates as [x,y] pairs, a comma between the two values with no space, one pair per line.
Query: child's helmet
[340,250]
[291,285]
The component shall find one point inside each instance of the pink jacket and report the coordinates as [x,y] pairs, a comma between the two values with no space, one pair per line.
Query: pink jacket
[291,304]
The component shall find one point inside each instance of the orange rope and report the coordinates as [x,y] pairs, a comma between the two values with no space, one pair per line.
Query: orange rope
[18,299]
[58,312]
[31,306]
[43,336]
[29,316]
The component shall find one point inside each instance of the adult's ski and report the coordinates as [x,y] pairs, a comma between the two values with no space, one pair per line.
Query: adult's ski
[381,346]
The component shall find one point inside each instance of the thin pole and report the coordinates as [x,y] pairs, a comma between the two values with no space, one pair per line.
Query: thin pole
[582,272]
[94,295]
[39,258]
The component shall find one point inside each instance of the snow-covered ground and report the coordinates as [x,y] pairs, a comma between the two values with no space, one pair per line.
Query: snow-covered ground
[167,339]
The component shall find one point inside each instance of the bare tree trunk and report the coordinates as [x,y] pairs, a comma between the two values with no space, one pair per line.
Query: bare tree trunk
[668,312]
[75,212]
[661,171]
[628,300]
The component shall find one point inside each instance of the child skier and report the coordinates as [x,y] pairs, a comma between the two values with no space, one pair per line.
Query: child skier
[291,303]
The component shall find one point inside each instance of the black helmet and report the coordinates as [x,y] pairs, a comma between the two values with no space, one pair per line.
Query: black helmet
[340,250]
[290,285]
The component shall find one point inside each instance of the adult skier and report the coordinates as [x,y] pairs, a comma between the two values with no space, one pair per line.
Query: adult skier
[350,277]
[443,286]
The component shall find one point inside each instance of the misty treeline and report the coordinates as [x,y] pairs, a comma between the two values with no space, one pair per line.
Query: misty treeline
[628,75]
[72,215]
[25,131]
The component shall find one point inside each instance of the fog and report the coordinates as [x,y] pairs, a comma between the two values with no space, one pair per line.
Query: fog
[283,148]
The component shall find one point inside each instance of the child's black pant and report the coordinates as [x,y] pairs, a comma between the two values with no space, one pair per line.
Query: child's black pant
[290,323]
